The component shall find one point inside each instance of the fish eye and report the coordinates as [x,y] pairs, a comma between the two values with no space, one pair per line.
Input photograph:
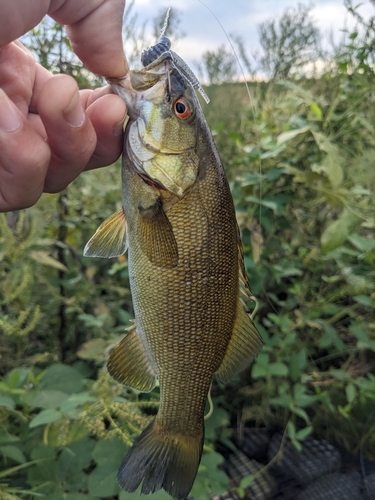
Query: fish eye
[182,109]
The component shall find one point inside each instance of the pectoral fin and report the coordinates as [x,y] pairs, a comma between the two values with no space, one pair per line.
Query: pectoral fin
[245,342]
[109,239]
[155,236]
[130,364]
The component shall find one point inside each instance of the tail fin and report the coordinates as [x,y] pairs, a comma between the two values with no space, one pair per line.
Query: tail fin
[161,460]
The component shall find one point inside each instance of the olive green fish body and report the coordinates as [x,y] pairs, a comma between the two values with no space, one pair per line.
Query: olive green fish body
[185,314]
[187,278]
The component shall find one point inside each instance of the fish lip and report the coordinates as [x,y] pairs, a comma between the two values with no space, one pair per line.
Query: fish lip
[129,95]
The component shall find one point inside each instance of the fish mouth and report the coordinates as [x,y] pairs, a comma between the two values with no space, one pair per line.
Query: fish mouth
[146,84]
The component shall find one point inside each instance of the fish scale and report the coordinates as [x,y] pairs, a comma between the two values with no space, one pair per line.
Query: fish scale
[192,309]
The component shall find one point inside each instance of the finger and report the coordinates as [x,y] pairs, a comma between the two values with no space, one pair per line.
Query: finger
[71,136]
[101,24]
[20,16]
[107,115]
[21,77]
[24,159]
[96,21]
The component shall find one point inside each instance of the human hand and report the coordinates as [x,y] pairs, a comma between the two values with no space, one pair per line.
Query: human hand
[49,131]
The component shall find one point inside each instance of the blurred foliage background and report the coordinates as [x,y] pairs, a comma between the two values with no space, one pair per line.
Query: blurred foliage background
[299,155]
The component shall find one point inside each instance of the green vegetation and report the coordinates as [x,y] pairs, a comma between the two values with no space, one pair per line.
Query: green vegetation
[300,160]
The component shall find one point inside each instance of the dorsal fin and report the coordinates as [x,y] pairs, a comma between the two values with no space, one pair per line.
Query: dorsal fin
[245,342]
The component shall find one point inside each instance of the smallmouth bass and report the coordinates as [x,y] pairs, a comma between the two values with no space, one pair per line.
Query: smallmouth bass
[187,276]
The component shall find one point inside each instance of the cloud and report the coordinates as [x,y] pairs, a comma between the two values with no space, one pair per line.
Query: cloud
[242,17]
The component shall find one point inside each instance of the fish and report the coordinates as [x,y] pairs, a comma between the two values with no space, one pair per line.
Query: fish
[186,269]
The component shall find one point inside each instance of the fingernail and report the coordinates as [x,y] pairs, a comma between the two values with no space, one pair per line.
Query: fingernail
[9,118]
[74,114]
[119,127]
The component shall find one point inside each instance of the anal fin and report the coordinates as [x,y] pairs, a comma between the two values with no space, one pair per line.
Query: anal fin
[130,365]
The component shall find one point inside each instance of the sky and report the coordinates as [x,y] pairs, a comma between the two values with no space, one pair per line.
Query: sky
[203,32]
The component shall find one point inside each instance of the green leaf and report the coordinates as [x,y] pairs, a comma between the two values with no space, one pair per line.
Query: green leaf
[17,377]
[329,336]
[246,481]
[13,452]
[6,438]
[77,455]
[158,495]
[331,168]
[43,452]
[44,399]
[250,179]
[258,371]
[305,400]
[210,479]
[264,202]
[71,465]
[211,460]
[45,417]
[303,433]
[263,359]
[296,444]
[63,378]
[359,332]
[316,110]
[279,369]
[45,259]
[340,375]
[291,430]
[274,173]
[291,134]
[361,243]
[110,452]
[218,420]
[364,300]
[331,165]
[337,232]
[300,412]
[7,402]
[301,398]
[294,369]
[350,392]
[108,455]
[284,400]
[301,358]
[93,349]
[76,400]
[71,496]
[102,481]
[44,477]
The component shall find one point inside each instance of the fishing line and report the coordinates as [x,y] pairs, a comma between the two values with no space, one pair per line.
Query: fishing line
[211,403]
[233,50]
[254,299]
[164,27]
[252,106]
